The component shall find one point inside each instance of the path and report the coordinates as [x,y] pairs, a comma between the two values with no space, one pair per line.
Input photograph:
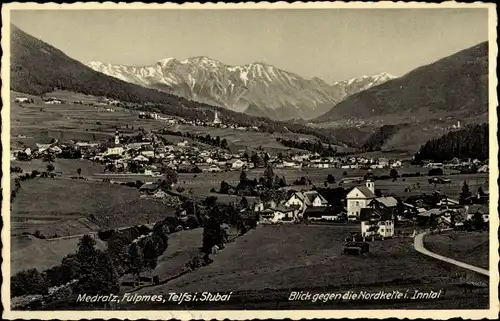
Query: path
[419,246]
[94,233]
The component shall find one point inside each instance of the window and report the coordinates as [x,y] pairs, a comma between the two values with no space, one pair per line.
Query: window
[357,203]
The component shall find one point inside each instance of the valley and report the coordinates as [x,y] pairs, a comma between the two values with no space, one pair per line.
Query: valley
[194,176]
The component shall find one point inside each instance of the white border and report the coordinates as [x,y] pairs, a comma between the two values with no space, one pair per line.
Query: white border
[251,314]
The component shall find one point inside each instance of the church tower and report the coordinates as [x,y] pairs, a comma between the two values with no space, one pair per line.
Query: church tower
[217,120]
[370,184]
[117,137]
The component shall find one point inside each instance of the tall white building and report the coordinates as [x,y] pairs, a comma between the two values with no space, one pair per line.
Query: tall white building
[217,120]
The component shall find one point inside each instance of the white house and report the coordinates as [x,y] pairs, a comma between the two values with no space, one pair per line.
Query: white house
[148,151]
[23,100]
[278,215]
[238,164]
[305,199]
[358,198]
[376,222]
[183,143]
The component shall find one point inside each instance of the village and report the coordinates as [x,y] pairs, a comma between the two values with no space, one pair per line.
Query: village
[152,154]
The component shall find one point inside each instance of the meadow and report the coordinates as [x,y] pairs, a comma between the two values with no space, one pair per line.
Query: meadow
[468,247]
[264,265]
[91,123]
[67,207]
[31,252]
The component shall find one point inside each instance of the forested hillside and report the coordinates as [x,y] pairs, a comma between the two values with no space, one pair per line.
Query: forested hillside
[470,142]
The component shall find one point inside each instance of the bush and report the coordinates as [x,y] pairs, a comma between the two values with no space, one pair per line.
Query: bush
[29,282]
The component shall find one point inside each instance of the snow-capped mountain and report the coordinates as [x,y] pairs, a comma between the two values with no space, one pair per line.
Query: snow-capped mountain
[258,89]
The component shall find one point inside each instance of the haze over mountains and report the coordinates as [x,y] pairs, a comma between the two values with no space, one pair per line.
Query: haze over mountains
[455,86]
[257,89]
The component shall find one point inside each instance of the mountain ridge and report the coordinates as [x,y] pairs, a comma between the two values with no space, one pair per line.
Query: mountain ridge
[279,94]
[454,84]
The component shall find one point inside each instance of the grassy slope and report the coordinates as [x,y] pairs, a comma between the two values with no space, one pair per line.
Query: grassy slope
[30,252]
[301,257]
[68,207]
[471,248]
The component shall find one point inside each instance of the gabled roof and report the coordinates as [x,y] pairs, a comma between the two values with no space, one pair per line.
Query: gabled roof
[365,191]
[284,209]
[388,201]
[311,195]
[367,214]
[148,186]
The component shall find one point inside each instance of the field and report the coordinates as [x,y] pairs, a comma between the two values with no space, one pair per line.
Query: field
[470,247]
[68,207]
[84,122]
[31,252]
[65,167]
[263,266]
[202,183]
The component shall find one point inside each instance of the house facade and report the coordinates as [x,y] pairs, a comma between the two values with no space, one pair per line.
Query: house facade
[358,198]
[377,222]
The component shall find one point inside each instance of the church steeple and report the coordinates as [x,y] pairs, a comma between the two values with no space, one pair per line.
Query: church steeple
[117,137]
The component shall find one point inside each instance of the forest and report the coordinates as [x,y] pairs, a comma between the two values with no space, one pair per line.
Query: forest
[470,142]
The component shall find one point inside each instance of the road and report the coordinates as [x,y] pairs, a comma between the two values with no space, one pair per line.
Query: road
[419,247]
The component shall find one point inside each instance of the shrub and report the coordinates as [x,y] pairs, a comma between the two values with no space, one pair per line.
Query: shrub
[29,282]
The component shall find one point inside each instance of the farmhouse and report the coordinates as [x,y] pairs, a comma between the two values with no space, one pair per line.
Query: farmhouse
[279,214]
[306,199]
[387,202]
[236,163]
[23,100]
[377,222]
[358,198]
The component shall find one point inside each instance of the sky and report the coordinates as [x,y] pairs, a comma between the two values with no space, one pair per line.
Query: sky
[332,44]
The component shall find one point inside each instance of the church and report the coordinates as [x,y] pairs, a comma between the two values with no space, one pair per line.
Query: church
[116,148]
[217,120]
[361,197]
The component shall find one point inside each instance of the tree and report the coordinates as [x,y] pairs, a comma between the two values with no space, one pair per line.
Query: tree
[79,171]
[465,195]
[255,159]
[394,174]
[136,259]
[103,279]
[85,255]
[243,177]
[269,176]
[373,229]
[150,255]
[212,235]
[480,191]
[29,282]
[478,221]
[48,157]
[50,167]
[330,179]
[170,177]
[244,203]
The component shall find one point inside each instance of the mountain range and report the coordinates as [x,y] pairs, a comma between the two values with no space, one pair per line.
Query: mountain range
[257,89]
[454,86]
[37,68]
